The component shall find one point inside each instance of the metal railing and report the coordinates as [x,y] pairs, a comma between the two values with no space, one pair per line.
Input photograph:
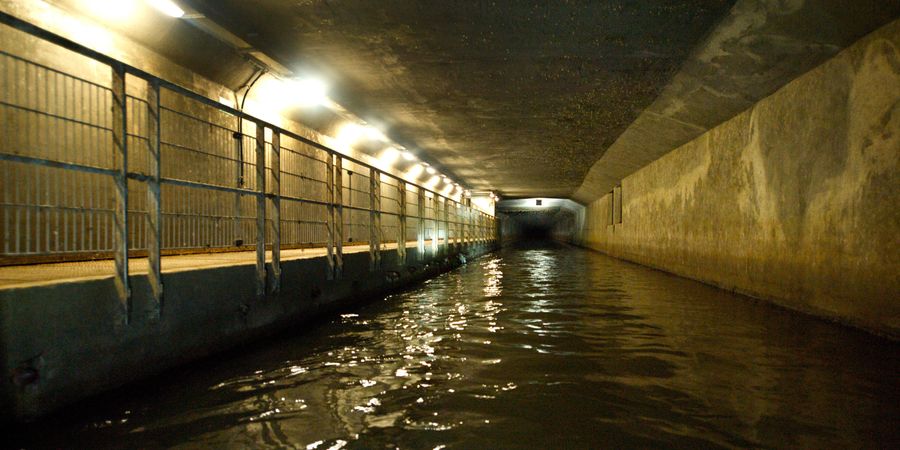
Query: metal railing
[124,164]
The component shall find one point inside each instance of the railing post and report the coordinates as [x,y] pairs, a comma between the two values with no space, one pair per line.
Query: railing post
[260,210]
[329,214]
[434,229]
[379,232]
[470,230]
[461,219]
[339,217]
[456,231]
[457,243]
[276,211]
[154,206]
[447,216]
[467,233]
[420,226]
[239,182]
[120,158]
[401,238]
[374,219]
[446,226]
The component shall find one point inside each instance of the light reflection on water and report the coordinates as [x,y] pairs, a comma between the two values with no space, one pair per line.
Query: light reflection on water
[542,346]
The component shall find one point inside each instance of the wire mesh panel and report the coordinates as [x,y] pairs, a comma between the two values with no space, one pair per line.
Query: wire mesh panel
[412,211]
[51,117]
[429,217]
[207,148]
[303,194]
[390,208]
[356,203]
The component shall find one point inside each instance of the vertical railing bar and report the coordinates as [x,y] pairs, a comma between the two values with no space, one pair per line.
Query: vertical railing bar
[85,143]
[60,181]
[446,226]
[46,182]
[32,133]
[463,224]
[120,150]
[329,214]
[420,225]
[154,205]
[455,234]
[276,211]
[338,219]
[6,166]
[401,233]
[238,140]
[260,210]
[379,232]
[374,245]
[434,227]
[470,224]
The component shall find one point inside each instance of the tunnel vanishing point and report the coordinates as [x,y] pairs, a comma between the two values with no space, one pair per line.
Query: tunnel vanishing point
[181,177]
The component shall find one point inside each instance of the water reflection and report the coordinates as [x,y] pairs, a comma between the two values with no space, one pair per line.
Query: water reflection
[541,346]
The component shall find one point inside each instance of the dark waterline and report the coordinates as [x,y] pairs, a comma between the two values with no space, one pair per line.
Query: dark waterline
[539,346]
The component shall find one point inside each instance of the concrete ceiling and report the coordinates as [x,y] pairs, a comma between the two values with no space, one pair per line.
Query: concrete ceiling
[760,46]
[554,99]
[517,96]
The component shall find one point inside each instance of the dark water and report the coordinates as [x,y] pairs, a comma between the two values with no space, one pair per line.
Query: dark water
[539,346]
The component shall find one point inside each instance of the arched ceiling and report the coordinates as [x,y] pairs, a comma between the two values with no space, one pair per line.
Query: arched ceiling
[554,99]
[516,96]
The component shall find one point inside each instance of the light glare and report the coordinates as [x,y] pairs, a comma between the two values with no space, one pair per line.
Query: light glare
[389,156]
[375,134]
[112,9]
[415,171]
[308,92]
[349,134]
[167,7]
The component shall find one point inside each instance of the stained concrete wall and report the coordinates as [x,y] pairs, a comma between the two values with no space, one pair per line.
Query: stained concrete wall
[794,200]
[71,333]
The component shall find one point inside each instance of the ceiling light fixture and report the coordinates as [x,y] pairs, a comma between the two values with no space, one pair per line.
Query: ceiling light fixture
[374,134]
[307,92]
[415,171]
[389,156]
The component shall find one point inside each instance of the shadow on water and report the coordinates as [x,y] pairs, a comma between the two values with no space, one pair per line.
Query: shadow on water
[538,345]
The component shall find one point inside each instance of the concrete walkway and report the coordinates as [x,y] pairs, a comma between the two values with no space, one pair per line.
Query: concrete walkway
[45,274]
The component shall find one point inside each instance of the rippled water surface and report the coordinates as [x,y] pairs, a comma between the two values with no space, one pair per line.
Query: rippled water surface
[539,346]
